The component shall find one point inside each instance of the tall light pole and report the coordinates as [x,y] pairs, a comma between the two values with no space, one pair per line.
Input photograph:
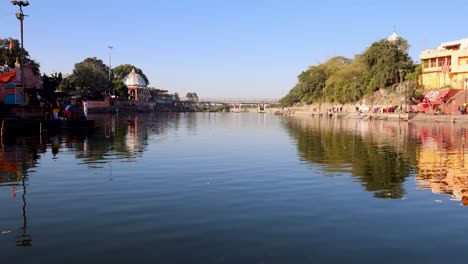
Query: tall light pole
[354,90]
[110,61]
[20,17]
[466,84]
[401,73]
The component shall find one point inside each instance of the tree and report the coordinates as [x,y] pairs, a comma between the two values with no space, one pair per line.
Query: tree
[9,56]
[175,97]
[192,97]
[120,89]
[90,76]
[312,82]
[66,85]
[291,98]
[121,71]
[51,83]
[345,84]
[383,61]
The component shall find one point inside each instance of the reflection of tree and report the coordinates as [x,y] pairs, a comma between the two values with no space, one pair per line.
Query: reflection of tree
[381,168]
[123,135]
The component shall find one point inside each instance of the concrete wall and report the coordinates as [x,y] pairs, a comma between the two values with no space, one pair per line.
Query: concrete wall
[434,78]
[99,104]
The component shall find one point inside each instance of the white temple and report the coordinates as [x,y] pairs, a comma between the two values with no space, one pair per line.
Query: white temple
[136,86]
[393,37]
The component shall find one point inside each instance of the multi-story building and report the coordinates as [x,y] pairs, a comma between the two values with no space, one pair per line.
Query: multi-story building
[445,66]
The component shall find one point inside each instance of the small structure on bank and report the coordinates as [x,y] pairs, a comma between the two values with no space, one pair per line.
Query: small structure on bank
[136,87]
[14,90]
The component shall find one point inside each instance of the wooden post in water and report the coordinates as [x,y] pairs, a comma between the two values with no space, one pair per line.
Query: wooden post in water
[1,137]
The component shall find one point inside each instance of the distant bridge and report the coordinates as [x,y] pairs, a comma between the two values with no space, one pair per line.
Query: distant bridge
[235,101]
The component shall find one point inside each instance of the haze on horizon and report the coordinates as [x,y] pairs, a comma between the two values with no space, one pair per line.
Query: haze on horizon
[223,48]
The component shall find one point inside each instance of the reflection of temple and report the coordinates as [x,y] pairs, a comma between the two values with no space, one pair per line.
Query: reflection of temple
[136,87]
[442,160]
[136,135]
[14,163]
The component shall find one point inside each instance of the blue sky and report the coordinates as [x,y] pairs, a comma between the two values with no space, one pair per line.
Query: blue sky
[243,48]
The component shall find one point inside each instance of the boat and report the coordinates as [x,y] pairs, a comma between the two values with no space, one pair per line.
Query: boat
[37,126]
[27,120]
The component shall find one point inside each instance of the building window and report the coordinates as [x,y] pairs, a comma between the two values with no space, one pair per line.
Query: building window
[445,61]
[425,64]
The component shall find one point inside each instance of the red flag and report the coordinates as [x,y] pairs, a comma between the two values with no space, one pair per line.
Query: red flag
[8,77]
[11,45]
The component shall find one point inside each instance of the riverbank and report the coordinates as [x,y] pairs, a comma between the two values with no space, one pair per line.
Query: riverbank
[411,117]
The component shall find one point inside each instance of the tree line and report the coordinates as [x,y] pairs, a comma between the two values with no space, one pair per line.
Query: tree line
[343,80]
[90,77]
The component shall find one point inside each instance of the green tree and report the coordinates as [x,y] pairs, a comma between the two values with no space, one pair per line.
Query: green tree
[51,83]
[90,76]
[383,61]
[345,85]
[10,56]
[121,71]
[120,89]
[312,82]
[175,97]
[192,97]
[65,85]
[291,98]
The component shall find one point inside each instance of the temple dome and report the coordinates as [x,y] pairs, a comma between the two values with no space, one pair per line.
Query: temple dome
[393,37]
[134,79]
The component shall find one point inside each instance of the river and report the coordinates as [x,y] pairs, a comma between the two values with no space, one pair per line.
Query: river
[236,188]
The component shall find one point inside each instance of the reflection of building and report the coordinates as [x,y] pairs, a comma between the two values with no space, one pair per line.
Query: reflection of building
[446,65]
[136,87]
[441,161]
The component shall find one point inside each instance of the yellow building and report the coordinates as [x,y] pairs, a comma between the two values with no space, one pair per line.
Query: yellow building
[445,66]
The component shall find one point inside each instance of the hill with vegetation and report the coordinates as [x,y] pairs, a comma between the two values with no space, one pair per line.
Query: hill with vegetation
[341,80]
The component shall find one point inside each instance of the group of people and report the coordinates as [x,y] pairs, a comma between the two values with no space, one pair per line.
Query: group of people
[77,110]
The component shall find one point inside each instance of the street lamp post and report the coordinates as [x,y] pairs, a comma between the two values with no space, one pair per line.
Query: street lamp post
[401,75]
[466,84]
[20,17]
[110,61]
[354,90]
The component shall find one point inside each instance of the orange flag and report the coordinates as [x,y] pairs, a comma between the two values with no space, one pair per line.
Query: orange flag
[11,45]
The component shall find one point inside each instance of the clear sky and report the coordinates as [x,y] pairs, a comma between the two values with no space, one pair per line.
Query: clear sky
[222,48]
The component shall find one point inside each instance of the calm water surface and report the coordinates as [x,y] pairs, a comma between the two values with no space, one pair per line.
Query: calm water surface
[236,188]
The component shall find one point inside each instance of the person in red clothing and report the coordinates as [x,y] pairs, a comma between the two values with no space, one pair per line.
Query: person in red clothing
[69,111]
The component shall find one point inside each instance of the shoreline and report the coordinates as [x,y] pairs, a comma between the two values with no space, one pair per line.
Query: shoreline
[408,117]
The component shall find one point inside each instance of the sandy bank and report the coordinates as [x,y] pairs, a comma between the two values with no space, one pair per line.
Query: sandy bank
[301,112]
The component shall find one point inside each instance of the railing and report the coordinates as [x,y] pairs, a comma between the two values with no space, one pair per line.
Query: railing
[235,100]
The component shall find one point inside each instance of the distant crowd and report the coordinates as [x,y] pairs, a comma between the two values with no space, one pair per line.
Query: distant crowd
[62,109]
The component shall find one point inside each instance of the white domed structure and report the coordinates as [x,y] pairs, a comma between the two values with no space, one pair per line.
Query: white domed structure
[393,37]
[134,79]
[136,86]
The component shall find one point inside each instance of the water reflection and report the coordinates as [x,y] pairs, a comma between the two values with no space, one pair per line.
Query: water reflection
[376,153]
[382,155]
[441,160]
[16,158]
